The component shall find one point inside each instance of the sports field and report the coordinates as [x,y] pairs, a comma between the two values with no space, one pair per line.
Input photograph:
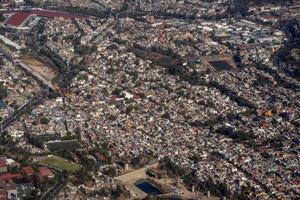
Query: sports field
[59,163]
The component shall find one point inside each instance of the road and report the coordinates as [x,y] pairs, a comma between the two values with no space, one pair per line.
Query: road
[32,101]
[27,69]
[130,178]
[52,192]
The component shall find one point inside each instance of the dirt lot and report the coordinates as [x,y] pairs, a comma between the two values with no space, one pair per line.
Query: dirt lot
[37,65]
[207,60]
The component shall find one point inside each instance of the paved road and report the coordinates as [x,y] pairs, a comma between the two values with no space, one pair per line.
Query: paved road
[136,174]
[130,178]
[52,192]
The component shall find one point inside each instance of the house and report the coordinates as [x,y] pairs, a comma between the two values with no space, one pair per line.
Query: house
[3,165]
[75,158]
[99,157]
[44,172]
[10,176]
[7,191]
[11,191]
[28,172]
[3,194]
[12,163]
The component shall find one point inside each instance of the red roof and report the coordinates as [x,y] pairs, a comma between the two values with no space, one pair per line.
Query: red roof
[45,172]
[20,16]
[10,176]
[3,163]
[136,97]
[3,194]
[28,171]
[113,98]
[99,156]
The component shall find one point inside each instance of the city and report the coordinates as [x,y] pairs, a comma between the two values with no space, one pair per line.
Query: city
[148,99]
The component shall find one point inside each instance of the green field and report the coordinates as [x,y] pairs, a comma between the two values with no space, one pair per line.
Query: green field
[59,163]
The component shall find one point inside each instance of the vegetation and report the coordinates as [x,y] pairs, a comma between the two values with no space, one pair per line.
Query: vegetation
[288,55]
[2,18]
[238,136]
[44,120]
[3,92]
[59,163]
[69,145]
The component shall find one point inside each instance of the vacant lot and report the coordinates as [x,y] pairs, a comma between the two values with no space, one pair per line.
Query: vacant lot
[59,163]
[40,67]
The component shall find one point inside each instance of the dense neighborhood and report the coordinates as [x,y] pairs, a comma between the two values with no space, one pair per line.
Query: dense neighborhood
[147,99]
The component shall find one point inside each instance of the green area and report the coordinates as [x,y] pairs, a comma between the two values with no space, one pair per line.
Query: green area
[59,163]
[68,145]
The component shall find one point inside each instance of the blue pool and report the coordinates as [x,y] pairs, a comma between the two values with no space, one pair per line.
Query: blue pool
[148,188]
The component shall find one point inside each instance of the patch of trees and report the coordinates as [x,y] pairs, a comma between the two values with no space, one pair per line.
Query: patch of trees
[275,142]
[190,179]
[68,145]
[233,95]
[82,49]
[88,163]
[238,136]
[262,80]
[82,176]
[29,2]
[280,81]
[288,55]
[44,120]
[3,92]
[110,171]
[141,160]
[172,169]
[59,63]
[238,7]
[2,18]
[85,11]
[156,57]
[36,141]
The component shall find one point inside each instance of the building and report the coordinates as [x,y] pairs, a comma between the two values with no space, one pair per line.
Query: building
[3,165]
[5,1]
[44,173]
[10,176]
[8,191]
[28,172]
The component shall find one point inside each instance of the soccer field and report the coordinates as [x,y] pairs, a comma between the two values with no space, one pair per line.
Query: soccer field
[59,163]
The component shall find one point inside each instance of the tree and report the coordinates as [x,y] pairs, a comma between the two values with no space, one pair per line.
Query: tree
[44,120]
[2,18]
[166,115]
[3,92]
[238,7]
[116,92]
